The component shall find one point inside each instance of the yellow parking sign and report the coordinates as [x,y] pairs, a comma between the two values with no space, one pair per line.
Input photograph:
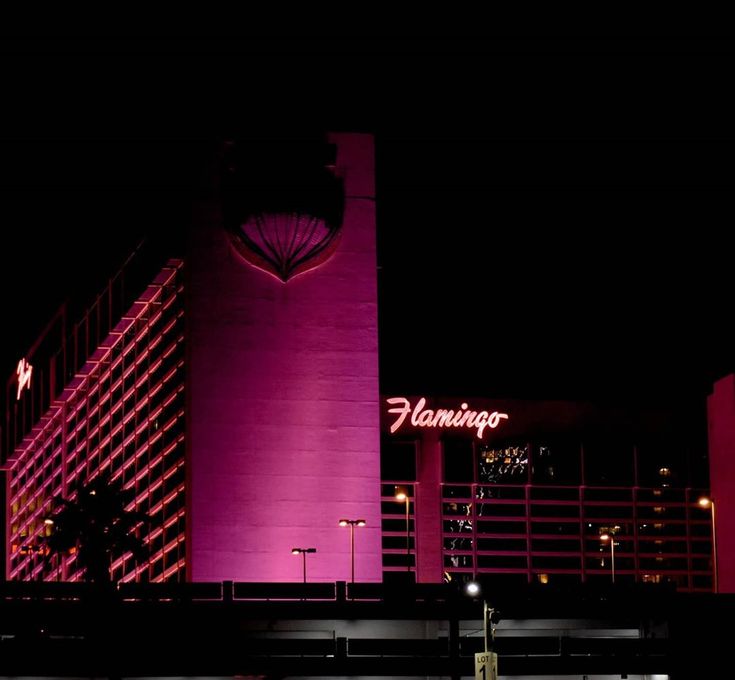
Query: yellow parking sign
[486,666]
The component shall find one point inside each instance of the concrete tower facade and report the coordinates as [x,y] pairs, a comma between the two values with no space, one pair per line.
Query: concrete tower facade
[284,413]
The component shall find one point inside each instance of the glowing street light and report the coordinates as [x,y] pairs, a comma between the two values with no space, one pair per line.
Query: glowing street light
[402,495]
[490,616]
[302,552]
[472,588]
[707,502]
[352,523]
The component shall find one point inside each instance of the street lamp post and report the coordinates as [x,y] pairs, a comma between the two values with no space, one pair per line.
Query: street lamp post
[302,552]
[707,502]
[352,523]
[402,495]
[490,616]
[49,527]
[610,537]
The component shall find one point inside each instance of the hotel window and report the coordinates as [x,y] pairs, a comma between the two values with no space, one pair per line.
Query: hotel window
[398,460]
[458,461]
[661,464]
[608,462]
[556,463]
[503,464]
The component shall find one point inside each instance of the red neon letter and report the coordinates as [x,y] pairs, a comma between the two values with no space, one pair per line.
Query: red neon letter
[403,411]
[24,371]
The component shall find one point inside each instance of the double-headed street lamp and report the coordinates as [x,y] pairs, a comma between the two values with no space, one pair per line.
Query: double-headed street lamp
[352,523]
[402,495]
[302,552]
[707,502]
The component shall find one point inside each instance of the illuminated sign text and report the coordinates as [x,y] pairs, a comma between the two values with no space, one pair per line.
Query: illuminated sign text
[24,371]
[425,417]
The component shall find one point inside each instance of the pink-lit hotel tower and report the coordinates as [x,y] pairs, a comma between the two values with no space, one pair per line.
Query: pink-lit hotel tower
[243,408]
[236,392]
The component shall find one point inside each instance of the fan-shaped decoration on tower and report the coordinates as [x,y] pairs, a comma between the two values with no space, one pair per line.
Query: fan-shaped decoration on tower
[283,204]
[286,244]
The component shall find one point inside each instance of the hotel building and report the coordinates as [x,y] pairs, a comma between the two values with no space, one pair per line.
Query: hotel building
[235,391]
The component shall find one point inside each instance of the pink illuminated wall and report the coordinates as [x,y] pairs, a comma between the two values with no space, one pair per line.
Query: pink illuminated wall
[721,416]
[428,511]
[283,410]
[121,416]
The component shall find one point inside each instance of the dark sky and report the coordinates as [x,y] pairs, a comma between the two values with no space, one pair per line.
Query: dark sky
[553,216]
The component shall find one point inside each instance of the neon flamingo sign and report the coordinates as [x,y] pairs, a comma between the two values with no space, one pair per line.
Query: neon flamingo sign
[424,417]
[24,372]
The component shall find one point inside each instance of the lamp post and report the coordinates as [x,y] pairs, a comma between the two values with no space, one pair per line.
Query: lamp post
[402,495]
[352,523]
[302,552]
[707,502]
[490,616]
[473,589]
[610,537]
[49,528]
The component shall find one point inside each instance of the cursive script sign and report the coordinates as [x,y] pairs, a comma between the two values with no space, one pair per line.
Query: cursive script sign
[425,417]
[24,372]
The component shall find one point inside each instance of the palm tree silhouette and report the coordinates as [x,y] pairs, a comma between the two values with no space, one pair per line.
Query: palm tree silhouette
[96,524]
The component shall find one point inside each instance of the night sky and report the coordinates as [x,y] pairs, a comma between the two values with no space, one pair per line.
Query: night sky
[552,215]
